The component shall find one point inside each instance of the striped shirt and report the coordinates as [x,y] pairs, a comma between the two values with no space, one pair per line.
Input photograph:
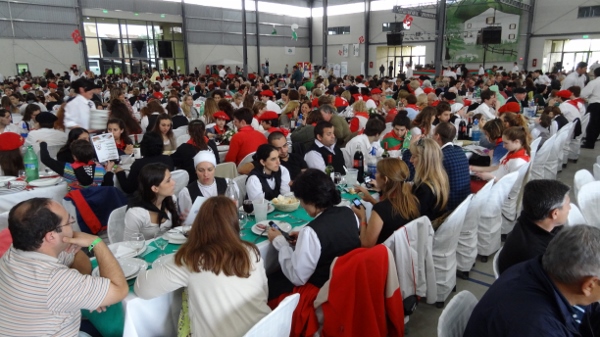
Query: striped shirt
[41,296]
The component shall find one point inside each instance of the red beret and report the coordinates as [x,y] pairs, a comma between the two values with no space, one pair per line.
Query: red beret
[158,95]
[315,103]
[267,93]
[10,141]
[221,115]
[268,115]
[175,84]
[53,85]
[376,91]
[510,107]
[428,90]
[435,103]
[26,87]
[564,94]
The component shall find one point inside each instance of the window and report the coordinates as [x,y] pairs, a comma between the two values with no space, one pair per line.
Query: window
[589,12]
[392,27]
[512,26]
[511,36]
[338,30]
[22,68]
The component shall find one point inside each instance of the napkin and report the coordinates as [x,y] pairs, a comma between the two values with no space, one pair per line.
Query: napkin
[122,251]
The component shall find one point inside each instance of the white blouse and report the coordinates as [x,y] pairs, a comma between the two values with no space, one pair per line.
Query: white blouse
[254,187]
[137,220]
[185,201]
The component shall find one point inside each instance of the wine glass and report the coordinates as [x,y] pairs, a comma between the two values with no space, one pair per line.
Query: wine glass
[337,177]
[22,176]
[243,218]
[343,183]
[160,241]
[248,206]
[137,242]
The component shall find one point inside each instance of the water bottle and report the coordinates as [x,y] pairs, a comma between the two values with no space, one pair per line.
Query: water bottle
[372,162]
[231,192]
[299,122]
[31,164]
[476,133]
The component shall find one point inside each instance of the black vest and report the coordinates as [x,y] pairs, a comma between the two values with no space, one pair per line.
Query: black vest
[561,121]
[195,192]
[270,194]
[338,235]
[338,158]
[151,121]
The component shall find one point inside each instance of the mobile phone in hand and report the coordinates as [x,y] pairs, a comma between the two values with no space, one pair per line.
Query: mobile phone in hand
[368,182]
[285,234]
[357,203]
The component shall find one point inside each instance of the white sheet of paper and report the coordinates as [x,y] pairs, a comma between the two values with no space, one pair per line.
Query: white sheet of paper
[194,211]
[105,147]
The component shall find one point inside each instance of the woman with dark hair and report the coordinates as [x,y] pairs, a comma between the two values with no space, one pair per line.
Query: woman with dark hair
[54,99]
[11,159]
[183,157]
[28,120]
[226,107]
[153,208]
[397,206]
[332,233]
[64,154]
[217,267]
[30,98]
[423,123]
[164,127]
[269,177]
[117,128]
[151,148]
[151,113]
[7,104]
[493,131]
[176,115]
[120,111]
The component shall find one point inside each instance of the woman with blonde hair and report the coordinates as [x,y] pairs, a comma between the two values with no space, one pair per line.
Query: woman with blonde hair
[431,184]
[397,206]
[415,88]
[422,101]
[361,116]
[210,107]
[288,113]
[187,106]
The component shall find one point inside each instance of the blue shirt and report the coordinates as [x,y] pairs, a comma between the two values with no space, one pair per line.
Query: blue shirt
[499,152]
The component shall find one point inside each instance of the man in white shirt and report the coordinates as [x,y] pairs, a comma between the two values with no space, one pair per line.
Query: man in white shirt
[540,78]
[77,110]
[6,123]
[488,103]
[591,93]
[46,132]
[325,149]
[222,72]
[366,141]
[409,71]
[449,73]
[576,78]
[323,72]
[515,69]
[265,96]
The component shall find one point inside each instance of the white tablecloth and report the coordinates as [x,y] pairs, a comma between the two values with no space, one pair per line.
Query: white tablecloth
[57,193]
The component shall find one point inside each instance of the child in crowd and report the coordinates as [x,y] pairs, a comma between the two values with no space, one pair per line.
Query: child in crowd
[124,143]
[395,138]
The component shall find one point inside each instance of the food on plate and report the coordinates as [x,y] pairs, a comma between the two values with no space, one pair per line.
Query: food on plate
[283,200]
[261,226]
[351,190]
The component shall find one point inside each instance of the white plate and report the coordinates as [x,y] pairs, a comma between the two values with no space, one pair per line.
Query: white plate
[131,267]
[270,209]
[7,178]
[175,236]
[222,148]
[161,260]
[44,182]
[284,226]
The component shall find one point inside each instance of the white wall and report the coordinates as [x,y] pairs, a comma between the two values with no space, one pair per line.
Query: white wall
[39,54]
[201,54]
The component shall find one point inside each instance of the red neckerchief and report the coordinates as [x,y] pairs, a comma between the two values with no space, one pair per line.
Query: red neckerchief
[246,128]
[275,129]
[219,131]
[314,124]
[413,106]
[362,114]
[121,144]
[79,164]
[451,102]
[498,141]
[392,111]
[192,142]
[574,102]
[515,155]
[289,115]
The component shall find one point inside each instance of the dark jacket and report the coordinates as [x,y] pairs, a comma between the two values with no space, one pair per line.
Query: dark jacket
[457,167]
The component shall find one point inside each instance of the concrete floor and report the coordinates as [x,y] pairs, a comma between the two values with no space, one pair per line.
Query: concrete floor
[423,323]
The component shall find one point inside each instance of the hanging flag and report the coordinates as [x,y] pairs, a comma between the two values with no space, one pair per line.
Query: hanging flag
[361,39]
[290,50]
[407,22]
[76,35]
[294,33]
[274,32]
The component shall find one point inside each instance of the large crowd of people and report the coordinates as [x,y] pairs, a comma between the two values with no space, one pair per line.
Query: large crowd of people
[290,135]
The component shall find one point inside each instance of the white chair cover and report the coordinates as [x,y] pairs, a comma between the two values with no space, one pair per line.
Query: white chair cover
[511,205]
[564,154]
[182,178]
[575,216]
[495,264]
[453,320]
[596,171]
[581,178]
[466,251]
[226,170]
[555,159]
[116,224]
[575,144]
[182,130]
[411,246]
[241,184]
[182,139]
[247,159]
[589,203]
[490,219]
[279,322]
[534,147]
[537,163]
[445,241]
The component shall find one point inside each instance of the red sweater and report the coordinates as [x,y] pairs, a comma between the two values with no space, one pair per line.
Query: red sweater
[244,142]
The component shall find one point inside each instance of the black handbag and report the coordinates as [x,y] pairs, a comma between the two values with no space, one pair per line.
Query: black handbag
[410,303]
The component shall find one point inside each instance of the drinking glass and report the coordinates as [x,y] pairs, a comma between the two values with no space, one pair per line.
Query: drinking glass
[260,210]
[337,177]
[248,206]
[343,183]
[243,217]
[137,242]
[161,242]
[22,175]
